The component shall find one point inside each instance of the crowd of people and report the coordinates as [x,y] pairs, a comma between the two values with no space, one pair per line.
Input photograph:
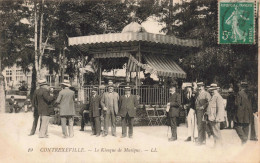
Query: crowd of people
[107,105]
[206,110]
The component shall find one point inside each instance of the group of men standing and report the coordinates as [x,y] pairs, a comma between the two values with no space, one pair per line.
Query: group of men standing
[110,106]
[43,102]
[206,111]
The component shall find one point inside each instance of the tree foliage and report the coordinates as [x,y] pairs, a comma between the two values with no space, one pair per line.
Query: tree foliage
[223,64]
[195,19]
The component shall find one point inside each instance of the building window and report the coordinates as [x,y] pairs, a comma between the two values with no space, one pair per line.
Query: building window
[19,76]
[8,76]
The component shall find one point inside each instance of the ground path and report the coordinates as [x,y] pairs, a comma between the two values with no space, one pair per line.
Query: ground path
[16,145]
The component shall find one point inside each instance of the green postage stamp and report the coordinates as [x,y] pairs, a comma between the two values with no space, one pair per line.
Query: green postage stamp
[236,22]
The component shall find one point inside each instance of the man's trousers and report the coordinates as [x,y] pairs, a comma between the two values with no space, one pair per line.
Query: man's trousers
[44,126]
[95,125]
[34,126]
[127,120]
[64,125]
[173,124]
[242,130]
[201,126]
[110,116]
[215,127]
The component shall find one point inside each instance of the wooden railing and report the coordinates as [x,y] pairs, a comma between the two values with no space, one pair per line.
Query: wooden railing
[147,95]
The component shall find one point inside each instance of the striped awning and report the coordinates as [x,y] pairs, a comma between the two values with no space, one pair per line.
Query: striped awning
[112,55]
[132,37]
[161,65]
[164,65]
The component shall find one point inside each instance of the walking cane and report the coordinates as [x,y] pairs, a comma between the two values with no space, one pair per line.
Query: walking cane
[193,127]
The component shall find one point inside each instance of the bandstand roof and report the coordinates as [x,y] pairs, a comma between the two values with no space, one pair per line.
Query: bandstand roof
[130,36]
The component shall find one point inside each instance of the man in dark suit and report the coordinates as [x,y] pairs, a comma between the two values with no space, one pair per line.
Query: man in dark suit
[173,111]
[95,112]
[127,110]
[42,100]
[243,113]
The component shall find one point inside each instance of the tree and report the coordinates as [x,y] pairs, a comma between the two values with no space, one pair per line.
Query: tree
[15,34]
[198,19]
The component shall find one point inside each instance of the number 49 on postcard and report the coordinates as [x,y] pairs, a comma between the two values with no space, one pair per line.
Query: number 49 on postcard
[236,22]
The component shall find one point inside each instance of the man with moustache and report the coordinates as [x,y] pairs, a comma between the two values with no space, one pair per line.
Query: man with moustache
[109,103]
[127,110]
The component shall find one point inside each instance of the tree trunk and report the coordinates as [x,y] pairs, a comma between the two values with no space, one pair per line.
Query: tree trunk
[35,41]
[40,38]
[33,83]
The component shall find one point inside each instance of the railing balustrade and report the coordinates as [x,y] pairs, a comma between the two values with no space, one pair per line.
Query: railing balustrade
[147,95]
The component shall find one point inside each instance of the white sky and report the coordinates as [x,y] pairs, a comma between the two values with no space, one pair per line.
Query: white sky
[151,26]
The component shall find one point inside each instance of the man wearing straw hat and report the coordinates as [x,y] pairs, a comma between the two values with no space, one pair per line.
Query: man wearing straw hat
[41,101]
[109,103]
[127,110]
[216,114]
[201,104]
[66,100]
[95,112]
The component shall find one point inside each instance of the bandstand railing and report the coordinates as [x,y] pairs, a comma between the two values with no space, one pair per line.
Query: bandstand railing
[147,95]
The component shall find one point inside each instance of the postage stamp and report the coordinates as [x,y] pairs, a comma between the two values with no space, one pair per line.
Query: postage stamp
[236,22]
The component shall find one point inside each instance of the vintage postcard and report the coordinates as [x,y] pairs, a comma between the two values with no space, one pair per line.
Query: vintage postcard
[129,81]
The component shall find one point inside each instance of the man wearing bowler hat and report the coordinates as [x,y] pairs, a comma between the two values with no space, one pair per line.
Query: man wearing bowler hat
[41,101]
[109,103]
[243,113]
[66,100]
[127,110]
[95,112]
[216,114]
[201,105]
